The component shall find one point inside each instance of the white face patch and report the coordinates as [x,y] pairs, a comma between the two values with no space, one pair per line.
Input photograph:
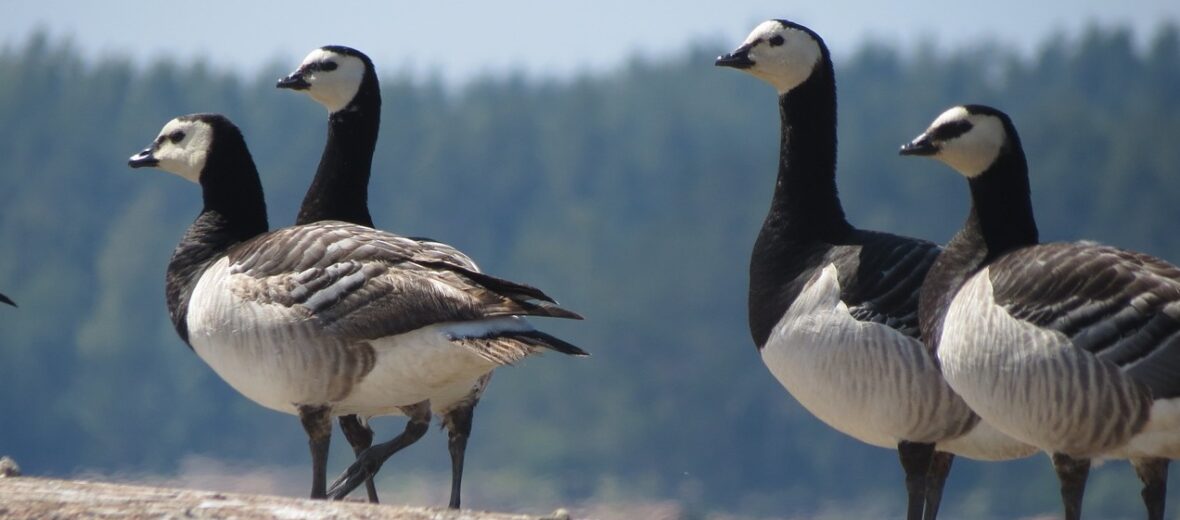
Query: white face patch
[972,152]
[182,147]
[333,88]
[951,115]
[787,64]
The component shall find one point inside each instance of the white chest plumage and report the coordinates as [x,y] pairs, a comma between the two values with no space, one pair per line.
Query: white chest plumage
[1030,382]
[866,380]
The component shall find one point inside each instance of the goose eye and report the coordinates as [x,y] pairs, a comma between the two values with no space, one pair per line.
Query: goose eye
[328,66]
[776,40]
[176,136]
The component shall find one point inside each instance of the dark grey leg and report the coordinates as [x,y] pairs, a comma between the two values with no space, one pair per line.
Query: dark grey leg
[317,422]
[457,421]
[1154,474]
[915,460]
[360,437]
[940,467]
[369,461]
[1072,473]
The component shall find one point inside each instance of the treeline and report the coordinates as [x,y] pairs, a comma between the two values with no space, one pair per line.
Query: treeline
[633,196]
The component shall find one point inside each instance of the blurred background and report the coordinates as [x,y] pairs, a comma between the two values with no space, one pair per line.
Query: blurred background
[589,148]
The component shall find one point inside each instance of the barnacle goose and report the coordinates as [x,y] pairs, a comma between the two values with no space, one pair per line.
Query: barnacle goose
[344,81]
[1071,347]
[834,309]
[330,318]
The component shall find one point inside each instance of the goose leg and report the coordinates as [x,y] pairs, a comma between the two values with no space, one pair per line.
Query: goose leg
[369,461]
[915,460]
[940,467]
[360,437]
[457,421]
[1154,474]
[317,422]
[1072,473]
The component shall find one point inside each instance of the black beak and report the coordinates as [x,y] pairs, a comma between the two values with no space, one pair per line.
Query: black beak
[738,59]
[920,146]
[294,81]
[7,300]
[143,159]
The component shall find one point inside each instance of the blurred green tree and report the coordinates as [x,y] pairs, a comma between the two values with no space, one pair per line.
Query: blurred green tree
[633,196]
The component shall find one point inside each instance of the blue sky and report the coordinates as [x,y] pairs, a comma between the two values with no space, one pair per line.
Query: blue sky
[462,38]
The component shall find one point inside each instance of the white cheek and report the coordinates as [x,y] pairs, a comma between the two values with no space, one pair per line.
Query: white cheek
[177,161]
[195,166]
[786,66]
[336,89]
[975,152]
[968,163]
[782,70]
[331,98]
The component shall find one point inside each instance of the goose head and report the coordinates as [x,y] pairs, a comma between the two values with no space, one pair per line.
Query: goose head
[968,138]
[182,146]
[331,75]
[779,52]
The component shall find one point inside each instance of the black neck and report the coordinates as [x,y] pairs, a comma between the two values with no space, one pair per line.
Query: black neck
[340,190]
[805,211]
[1001,204]
[1001,220]
[234,211]
[806,204]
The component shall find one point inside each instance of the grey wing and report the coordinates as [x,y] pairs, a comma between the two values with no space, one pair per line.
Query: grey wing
[361,283]
[880,280]
[1122,306]
[433,251]
[444,256]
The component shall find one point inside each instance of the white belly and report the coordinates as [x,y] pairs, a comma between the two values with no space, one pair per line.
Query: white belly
[985,442]
[866,380]
[1159,438]
[413,367]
